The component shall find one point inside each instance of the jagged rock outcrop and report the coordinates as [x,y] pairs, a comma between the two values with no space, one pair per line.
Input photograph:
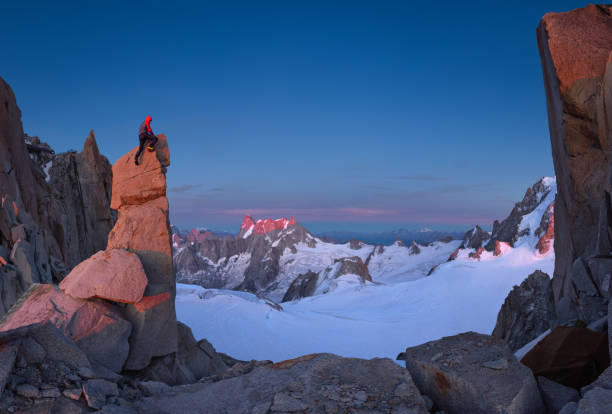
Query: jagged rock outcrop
[311,283]
[514,227]
[414,248]
[530,223]
[527,312]
[55,208]
[80,214]
[302,286]
[473,373]
[575,52]
[475,238]
[139,195]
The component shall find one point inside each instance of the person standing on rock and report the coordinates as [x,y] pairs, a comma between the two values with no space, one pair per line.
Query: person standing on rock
[145,133]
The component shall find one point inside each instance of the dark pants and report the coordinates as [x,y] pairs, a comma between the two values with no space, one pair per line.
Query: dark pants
[143,140]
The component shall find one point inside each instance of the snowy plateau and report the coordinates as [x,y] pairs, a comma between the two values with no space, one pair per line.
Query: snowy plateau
[417,293]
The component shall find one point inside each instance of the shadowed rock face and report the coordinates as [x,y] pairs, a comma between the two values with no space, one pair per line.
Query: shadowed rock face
[575,52]
[81,216]
[54,208]
[527,311]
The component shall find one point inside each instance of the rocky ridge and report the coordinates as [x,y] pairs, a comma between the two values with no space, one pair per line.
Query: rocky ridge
[531,222]
[54,208]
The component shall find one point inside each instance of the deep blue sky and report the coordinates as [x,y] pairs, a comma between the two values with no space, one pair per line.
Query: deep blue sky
[369,115]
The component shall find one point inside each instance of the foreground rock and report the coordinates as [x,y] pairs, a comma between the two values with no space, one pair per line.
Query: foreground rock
[139,193]
[94,326]
[571,356]
[115,275]
[575,49]
[555,395]
[473,373]
[317,383]
[527,311]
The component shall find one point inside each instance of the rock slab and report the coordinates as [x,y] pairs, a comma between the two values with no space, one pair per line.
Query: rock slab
[473,373]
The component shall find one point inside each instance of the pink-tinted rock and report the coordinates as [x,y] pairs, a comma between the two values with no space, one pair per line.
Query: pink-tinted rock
[575,52]
[501,247]
[142,227]
[545,242]
[114,274]
[579,42]
[136,184]
[93,325]
[477,254]
[145,230]
[265,226]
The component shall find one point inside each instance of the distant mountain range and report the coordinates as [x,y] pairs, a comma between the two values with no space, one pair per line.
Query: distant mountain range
[281,260]
[388,237]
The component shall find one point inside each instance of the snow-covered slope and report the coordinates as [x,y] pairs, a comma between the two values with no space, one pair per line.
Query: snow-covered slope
[362,320]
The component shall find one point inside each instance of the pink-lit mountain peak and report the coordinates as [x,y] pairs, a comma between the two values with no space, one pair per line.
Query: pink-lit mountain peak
[265,226]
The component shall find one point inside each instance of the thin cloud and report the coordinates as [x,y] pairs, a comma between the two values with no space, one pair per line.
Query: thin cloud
[421,177]
[183,188]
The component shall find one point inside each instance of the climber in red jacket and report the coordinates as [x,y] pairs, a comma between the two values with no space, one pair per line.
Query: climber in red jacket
[145,133]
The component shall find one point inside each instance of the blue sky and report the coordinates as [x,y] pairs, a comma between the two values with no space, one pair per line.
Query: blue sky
[372,115]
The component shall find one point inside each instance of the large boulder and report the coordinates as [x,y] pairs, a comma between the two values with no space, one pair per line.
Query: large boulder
[575,52]
[316,383]
[139,194]
[115,275]
[572,356]
[473,373]
[527,312]
[93,325]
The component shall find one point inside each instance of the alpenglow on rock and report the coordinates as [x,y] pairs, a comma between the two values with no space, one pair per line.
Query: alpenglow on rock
[139,194]
[575,53]
[115,275]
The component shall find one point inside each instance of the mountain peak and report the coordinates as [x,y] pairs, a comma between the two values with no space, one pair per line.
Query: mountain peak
[263,226]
